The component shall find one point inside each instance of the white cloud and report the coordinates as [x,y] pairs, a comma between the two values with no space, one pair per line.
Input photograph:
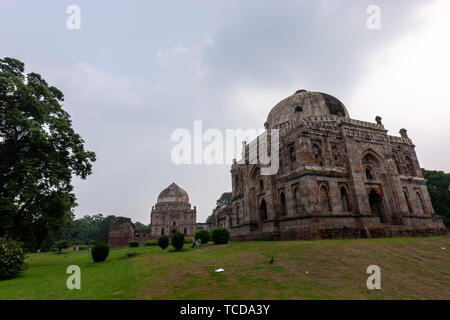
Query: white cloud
[96,87]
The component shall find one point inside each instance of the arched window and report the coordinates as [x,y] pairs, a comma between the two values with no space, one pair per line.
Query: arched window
[297,200]
[407,201]
[263,210]
[396,164]
[237,214]
[280,157]
[369,174]
[345,200]
[336,155]
[185,231]
[324,199]
[261,185]
[369,158]
[409,167]
[422,204]
[317,155]
[283,204]
[292,157]
[162,231]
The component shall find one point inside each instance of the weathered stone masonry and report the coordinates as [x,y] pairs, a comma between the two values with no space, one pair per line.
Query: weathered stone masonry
[338,178]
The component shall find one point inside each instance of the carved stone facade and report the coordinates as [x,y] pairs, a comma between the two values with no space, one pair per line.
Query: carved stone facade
[173,213]
[337,178]
[222,217]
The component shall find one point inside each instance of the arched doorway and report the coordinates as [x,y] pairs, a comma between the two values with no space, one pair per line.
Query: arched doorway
[283,204]
[376,205]
[263,210]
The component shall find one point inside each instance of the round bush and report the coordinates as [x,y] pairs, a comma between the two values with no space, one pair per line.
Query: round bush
[163,242]
[177,240]
[188,240]
[12,259]
[133,244]
[100,252]
[220,235]
[63,244]
[203,235]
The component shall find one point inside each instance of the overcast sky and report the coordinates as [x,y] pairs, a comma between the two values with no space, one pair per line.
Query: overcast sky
[138,70]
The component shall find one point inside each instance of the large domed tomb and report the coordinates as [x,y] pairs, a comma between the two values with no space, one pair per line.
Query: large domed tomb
[338,178]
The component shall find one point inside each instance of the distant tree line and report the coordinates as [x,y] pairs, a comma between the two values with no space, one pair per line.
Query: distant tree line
[86,230]
[438,184]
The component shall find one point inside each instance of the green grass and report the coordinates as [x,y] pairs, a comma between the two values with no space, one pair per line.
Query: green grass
[411,268]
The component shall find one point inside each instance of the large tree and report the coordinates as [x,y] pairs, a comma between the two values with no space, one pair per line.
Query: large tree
[39,154]
[438,184]
[225,198]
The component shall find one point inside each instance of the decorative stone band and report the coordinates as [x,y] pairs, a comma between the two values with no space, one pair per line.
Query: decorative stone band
[325,122]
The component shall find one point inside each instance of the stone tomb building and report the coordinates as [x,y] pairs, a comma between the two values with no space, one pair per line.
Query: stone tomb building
[338,177]
[173,213]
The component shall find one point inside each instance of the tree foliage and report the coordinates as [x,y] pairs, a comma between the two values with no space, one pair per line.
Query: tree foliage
[177,240]
[140,227]
[225,198]
[220,235]
[12,259]
[438,184]
[163,242]
[39,154]
[100,252]
[63,244]
[203,235]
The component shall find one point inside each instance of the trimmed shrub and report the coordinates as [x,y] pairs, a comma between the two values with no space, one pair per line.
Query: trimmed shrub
[133,244]
[12,259]
[220,235]
[163,242]
[100,252]
[177,240]
[83,247]
[188,240]
[63,244]
[203,235]
[151,243]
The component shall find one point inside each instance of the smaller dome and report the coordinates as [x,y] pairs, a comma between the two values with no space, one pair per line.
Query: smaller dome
[173,193]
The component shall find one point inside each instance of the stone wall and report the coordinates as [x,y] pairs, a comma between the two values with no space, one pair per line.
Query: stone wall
[121,232]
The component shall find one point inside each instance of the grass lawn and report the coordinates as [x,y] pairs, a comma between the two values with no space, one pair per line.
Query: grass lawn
[411,268]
